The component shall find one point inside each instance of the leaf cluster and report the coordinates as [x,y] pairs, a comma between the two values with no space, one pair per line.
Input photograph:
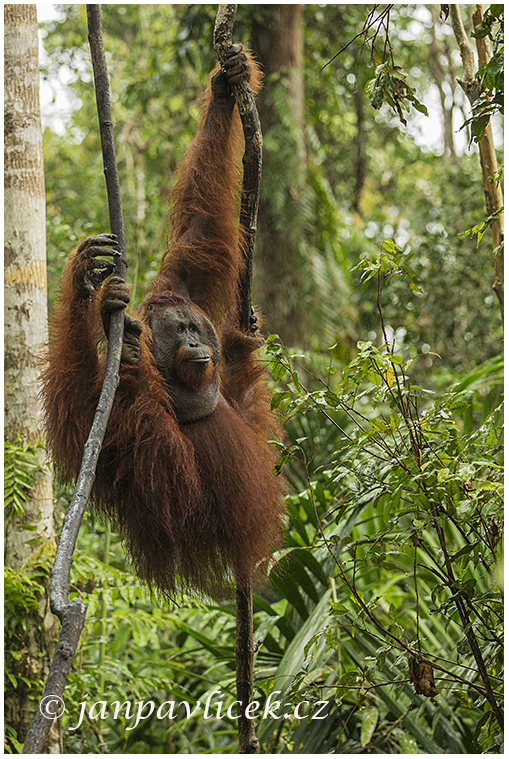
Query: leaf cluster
[20,469]
[490,75]
[416,569]
[389,85]
[22,596]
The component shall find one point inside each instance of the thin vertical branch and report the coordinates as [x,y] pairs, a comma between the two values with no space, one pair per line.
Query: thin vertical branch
[244,665]
[252,159]
[493,195]
[466,52]
[252,164]
[72,613]
[417,622]
[102,93]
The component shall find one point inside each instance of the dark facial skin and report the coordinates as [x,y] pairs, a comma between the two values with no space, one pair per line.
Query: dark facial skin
[187,351]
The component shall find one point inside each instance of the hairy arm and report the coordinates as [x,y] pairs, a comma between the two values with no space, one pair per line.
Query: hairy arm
[243,379]
[204,256]
[70,375]
[74,370]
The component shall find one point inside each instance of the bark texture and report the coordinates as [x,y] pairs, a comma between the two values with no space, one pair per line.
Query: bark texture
[26,328]
[281,283]
[442,78]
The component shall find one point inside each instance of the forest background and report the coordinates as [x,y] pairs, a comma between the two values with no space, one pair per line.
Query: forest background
[387,374]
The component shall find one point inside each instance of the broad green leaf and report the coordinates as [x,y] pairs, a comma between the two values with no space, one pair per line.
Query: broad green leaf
[369,718]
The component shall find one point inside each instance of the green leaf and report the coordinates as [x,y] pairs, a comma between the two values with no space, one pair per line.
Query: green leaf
[419,106]
[496,487]
[369,719]
[331,398]
[390,246]
[468,549]
[378,98]
[13,680]
[277,369]
[407,743]
[278,398]
[395,421]
[389,376]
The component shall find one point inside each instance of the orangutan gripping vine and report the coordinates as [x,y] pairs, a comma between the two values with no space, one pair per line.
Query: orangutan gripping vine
[185,471]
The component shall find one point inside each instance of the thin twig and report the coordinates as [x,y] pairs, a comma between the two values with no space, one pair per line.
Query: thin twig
[367,25]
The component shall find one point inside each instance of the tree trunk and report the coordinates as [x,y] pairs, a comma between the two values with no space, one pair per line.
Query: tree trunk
[440,77]
[492,188]
[281,282]
[26,331]
[360,150]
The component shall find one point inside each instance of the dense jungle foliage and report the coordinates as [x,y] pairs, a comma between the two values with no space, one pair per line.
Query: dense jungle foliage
[386,601]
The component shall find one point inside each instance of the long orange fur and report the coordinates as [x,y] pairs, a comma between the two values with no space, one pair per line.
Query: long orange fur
[196,504]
